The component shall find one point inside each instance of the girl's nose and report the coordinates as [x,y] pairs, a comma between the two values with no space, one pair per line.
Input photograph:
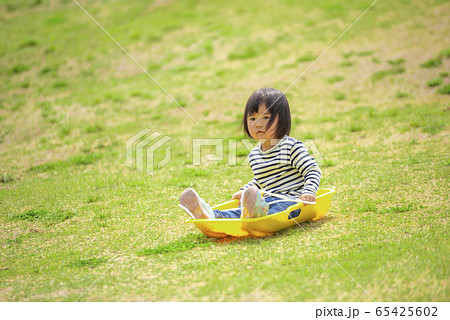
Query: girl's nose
[258,123]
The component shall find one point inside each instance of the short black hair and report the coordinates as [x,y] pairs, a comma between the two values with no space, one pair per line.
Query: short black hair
[277,105]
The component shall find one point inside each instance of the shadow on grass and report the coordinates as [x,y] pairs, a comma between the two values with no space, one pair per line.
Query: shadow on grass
[90,263]
[186,243]
[81,159]
[43,215]
[194,240]
[309,226]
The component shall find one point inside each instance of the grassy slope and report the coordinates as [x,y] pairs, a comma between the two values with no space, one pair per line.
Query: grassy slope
[70,98]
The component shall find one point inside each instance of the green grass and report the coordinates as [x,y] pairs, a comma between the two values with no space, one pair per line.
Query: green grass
[396,62]
[5,178]
[187,243]
[19,69]
[70,99]
[335,78]
[247,50]
[432,63]
[434,82]
[346,64]
[388,72]
[339,95]
[42,214]
[82,159]
[307,57]
[365,53]
[444,89]
[402,95]
[91,263]
[445,53]
[376,60]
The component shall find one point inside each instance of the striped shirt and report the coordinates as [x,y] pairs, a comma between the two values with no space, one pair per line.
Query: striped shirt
[287,169]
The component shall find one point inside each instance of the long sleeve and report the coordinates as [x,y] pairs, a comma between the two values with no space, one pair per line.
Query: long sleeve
[287,169]
[252,182]
[307,166]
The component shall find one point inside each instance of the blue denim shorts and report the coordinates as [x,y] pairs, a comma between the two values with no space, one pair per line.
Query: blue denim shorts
[273,208]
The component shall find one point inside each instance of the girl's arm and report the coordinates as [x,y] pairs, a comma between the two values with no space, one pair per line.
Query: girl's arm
[251,183]
[312,179]
[238,194]
[307,197]
[308,168]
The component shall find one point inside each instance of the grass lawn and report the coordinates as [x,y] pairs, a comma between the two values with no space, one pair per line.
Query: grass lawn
[376,106]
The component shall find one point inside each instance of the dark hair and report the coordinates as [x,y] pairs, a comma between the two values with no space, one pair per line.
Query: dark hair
[277,105]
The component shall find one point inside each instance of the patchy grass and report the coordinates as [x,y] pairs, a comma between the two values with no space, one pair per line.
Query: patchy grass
[71,99]
[346,64]
[434,82]
[6,178]
[365,53]
[90,263]
[94,127]
[43,215]
[402,95]
[335,78]
[348,54]
[18,69]
[355,127]
[396,62]
[429,122]
[82,159]
[339,95]
[307,57]
[184,244]
[432,63]
[376,60]
[247,50]
[444,89]
[445,53]
[384,73]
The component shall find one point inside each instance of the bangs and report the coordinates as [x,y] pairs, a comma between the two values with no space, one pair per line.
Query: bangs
[253,108]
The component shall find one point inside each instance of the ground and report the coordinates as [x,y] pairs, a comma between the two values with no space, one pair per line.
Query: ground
[77,223]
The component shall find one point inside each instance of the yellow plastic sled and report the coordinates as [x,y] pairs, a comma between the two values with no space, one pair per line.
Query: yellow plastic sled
[219,228]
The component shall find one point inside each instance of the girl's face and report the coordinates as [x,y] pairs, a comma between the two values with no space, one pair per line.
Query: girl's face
[257,126]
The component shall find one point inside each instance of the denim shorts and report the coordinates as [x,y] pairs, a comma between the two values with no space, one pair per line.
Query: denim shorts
[273,208]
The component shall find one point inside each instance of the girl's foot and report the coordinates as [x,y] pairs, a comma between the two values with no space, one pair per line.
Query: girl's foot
[195,206]
[253,205]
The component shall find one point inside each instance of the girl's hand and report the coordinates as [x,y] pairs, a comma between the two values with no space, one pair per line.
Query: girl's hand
[308,197]
[238,195]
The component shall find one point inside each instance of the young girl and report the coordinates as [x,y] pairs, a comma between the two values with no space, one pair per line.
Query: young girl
[281,165]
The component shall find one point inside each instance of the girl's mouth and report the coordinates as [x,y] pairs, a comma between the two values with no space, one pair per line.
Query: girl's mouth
[259,132]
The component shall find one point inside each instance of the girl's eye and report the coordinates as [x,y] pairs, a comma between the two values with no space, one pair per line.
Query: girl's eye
[267,117]
[252,119]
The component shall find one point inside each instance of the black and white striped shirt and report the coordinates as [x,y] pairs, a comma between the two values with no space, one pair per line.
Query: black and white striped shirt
[287,169]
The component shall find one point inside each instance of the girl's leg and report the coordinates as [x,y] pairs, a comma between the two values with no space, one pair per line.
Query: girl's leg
[254,205]
[228,214]
[196,206]
[275,207]
[199,209]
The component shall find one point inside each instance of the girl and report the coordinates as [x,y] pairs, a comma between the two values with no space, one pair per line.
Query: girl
[281,165]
